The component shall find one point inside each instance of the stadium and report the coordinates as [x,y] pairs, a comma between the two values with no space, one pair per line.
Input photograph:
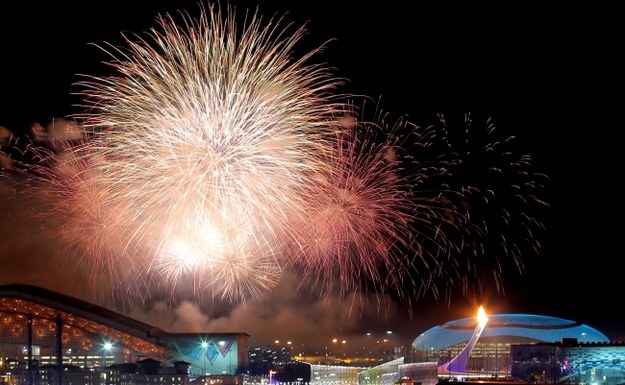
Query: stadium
[42,329]
[491,352]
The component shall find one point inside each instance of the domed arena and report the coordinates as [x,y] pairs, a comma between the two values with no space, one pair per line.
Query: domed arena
[482,347]
[506,329]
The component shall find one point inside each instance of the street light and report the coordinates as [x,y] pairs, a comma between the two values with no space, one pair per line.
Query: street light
[204,346]
[391,348]
[107,346]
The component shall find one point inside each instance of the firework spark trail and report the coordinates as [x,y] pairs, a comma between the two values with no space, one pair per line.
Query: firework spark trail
[498,199]
[202,139]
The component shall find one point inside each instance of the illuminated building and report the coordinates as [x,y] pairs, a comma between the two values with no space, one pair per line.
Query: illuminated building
[491,353]
[334,375]
[467,348]
[43,334]
[385,374]
[570,362]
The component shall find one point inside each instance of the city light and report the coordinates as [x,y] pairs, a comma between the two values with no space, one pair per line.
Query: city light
[204,346]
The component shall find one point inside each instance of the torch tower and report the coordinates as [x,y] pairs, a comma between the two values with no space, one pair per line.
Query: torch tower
[458,364]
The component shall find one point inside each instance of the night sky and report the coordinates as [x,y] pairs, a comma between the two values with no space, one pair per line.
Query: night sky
[547,76]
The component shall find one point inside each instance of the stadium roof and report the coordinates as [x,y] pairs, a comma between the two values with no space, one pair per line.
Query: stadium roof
[57,301]
[71,305]
[536,328]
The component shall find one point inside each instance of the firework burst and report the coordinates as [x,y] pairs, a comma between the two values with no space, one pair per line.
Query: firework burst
[197,148]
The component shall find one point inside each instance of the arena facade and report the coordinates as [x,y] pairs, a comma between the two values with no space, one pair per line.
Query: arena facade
[40,328]
[506,327]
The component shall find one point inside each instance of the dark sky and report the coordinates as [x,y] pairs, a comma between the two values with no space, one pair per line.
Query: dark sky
[547,76]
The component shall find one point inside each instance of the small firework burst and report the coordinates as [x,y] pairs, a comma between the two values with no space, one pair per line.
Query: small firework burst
[366,225]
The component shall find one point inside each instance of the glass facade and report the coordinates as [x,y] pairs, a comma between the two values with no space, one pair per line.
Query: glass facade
[385,374]
[334,375]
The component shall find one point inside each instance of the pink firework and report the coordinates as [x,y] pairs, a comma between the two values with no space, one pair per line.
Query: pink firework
[364,217]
